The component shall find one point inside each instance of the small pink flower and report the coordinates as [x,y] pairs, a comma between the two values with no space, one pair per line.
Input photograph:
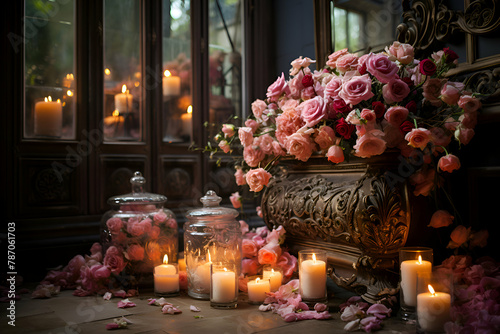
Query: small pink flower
[114,260]
[449,163]
[160,217]
[224,146]
[418,138]
[125,303]
[235,199]
[441,218]
[258,107]
[288,263]
[245,134]
[259,212]
[335,154]
[257,179]
[240,177]
[253,124]
[228,130]
[243,227]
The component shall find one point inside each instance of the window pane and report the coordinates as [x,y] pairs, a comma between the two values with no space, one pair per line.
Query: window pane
[354,37]
[339,26]
[176,83]
[49,70]
[225,60]
[122,74]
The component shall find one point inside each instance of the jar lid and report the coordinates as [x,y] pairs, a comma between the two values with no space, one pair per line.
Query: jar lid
[137,196]
[211,209]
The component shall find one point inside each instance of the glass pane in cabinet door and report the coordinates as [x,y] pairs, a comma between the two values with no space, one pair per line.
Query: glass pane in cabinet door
[225,62]
[122,71]
[49,70]
[176,83]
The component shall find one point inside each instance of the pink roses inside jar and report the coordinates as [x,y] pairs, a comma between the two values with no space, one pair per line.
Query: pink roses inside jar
[136,234]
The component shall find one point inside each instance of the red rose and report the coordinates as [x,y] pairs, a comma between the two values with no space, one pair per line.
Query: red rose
[427,67]
[307,80]
[451,56]
[340,106]
[408,81]
[362,69]
[411,106]
[379,108]
[344,129]
[406,126]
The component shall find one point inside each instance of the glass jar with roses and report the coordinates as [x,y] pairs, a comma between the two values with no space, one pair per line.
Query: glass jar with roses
[136,234]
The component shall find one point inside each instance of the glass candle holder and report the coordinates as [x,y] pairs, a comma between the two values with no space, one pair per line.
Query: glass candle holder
[223,285]
[275,276]
[258,286]
[434,296]
[166,280]
[312,276]
[413,260]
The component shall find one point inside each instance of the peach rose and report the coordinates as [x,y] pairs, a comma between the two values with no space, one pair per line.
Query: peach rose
[257,179]
[235,199]
[245,134]
[332,59]
[299,63]
[479,239]
[253,124]
[335,154]
[253,155]
[249,248]
[418,138]
[258,107]
[228,130]
[404,53]
[449,163]
[370,144]
[347,62]
[450,92]
[299,145]
[325,137]
[269,254]
[135,253]
[396,115]
[459,236]
[469,103]
[441,218]
[240,177]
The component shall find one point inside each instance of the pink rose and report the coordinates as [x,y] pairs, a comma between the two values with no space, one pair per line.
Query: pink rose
[287,124]
[257,179]
[245,134]
[440,138]
[277,150]
[276,89]
[432,90]
[269,254]
[299,145]
[396,115]
[418,138]
[357,89]
[135,253]
[332,59]
[370,144]
[154,233]
[224,146]
[253,124]
[299,63]
[228,130]
[469,120]
[441,218]
[258,107]
[135,228]
[265,143]
[368,115]
[160,217]
[74,266]
[458,236]
[288,263]
[469,103]
[249,248]
[395,90]
[250,266]
[114,224]
[449,163]
[325,137]
[333,88]
[464,135]
[275,235]
[240,177]
[404,53]
[235,199]
[243,227]
[171,223]
[347,62]
[381,67]
[100,271]
[259,212]
[253,155]
[313,111]
[335,154]
[114,260]
[450,92]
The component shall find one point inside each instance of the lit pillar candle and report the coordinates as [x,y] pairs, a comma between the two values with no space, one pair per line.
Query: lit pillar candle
[166,278]
[275,278]
[123,101]
[187,122]
[313,278]
[257,290]
[202,276]
[223,286]
[48,118]
[433,310]
[409,271]
[171,84]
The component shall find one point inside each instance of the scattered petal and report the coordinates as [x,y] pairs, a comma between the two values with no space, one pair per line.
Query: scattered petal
[194,308]
[119,293]
[107,296]
[320,307]
[170,309]
[265,307]
[125,303]
[112,326]
[352,325]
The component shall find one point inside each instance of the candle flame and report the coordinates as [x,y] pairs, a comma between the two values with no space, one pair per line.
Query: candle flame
[189,109]
[107,71]
[165,259]
[314,257]
[420,259]
[225,269]
[257,280]
[167,73]
[431,289]
[58,100]
[209,258]
[48,99]
[272,270]
[69,93]
[116,113]
[124,88]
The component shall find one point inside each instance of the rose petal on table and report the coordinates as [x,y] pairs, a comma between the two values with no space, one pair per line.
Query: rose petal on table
[107,296]
[170,309]
[119,293]
[194,308]
[125,303]
[352,325]
[152,301]
[320,307]
[112,326]
[265,307]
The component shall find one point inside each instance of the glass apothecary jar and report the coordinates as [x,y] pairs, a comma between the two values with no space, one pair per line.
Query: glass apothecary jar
[136,234]
[211,235]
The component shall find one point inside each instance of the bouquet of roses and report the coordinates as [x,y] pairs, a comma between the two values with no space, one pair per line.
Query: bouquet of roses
[361,106]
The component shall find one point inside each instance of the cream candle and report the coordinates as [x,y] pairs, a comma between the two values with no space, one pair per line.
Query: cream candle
[409,271]
[166,278]
[123,101]
[257,290]
[223,286]
[433,310]
[48,118]
[171,84]
[313,278]
[275,278]
[187,122]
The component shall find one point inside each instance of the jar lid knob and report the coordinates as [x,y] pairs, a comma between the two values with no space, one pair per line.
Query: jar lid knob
[210,199]
[137,182]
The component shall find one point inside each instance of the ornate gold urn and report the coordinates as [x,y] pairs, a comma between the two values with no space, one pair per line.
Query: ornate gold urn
[352,210]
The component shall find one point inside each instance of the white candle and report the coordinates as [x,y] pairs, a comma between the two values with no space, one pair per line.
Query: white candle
[224,286]
[171,84]
[202,277]
[123,101]
[48,118]
[313,278]
[166,278]
[433,310]
[187,122]
[275,278]
[409,271]
[257,290]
